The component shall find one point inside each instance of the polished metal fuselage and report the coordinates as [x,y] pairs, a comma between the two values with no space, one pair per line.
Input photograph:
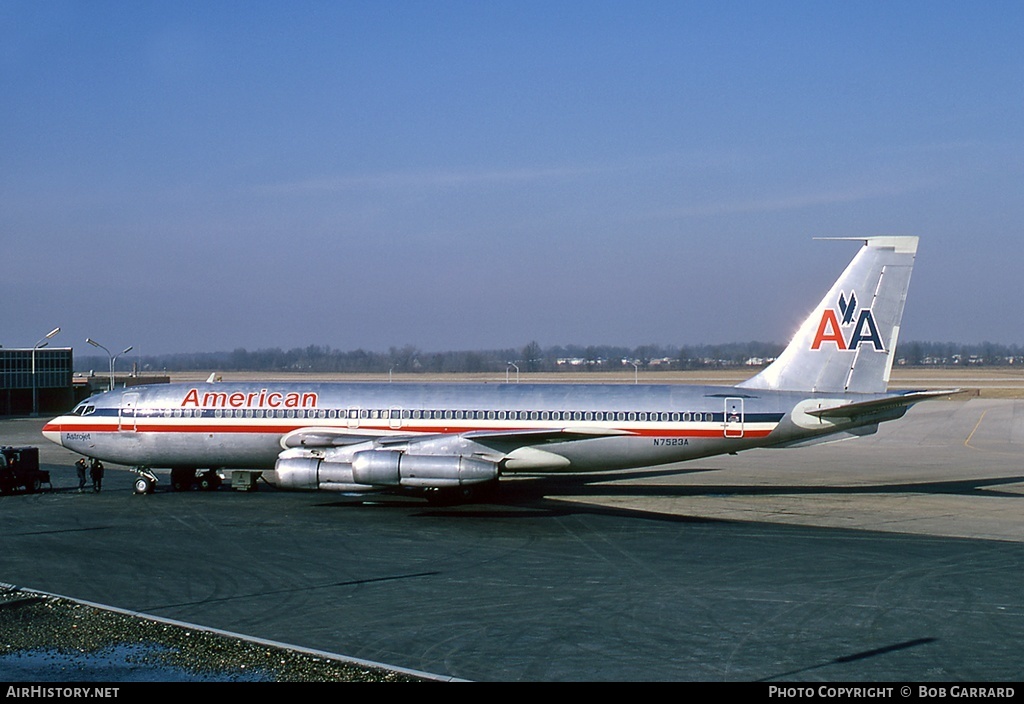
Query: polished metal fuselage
[592,426]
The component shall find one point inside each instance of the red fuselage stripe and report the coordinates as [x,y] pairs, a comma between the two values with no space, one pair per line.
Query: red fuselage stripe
[145,427]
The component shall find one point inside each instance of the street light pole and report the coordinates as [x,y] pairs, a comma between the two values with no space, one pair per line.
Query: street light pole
[109,356]
[35,388]
[113,362]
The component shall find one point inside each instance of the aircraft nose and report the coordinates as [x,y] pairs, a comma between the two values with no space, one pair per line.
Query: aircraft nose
[51,431]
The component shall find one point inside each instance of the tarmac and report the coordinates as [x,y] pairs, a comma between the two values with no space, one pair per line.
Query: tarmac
[891,558]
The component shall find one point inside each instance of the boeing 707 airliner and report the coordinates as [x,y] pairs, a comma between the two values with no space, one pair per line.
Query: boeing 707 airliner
[830,382]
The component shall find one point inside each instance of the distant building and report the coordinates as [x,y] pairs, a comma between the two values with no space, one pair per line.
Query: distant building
[50,384]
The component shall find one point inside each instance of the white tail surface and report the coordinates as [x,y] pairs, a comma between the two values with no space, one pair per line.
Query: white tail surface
[847,344]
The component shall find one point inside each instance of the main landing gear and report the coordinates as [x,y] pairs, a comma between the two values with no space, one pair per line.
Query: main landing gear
[186,478]
[465,494]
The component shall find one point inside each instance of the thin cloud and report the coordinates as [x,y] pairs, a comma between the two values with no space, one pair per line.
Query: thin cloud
[798,201]
[435,179]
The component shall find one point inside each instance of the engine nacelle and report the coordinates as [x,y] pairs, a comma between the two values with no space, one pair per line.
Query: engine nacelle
[389,468]
[312,473]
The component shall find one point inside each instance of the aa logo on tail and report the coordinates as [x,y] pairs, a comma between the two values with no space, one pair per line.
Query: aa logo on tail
[837,322]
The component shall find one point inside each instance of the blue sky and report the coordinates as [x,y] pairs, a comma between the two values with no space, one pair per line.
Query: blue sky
[204,176]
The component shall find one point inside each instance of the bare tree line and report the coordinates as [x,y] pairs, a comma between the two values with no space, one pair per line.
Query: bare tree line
[532,357]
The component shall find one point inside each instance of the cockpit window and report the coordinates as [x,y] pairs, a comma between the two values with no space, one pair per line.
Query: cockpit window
[83,410]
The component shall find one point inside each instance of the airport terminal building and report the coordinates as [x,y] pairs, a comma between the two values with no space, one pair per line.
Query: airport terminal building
[36,380]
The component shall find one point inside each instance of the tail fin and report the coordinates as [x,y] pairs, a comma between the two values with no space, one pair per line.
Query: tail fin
[847,344]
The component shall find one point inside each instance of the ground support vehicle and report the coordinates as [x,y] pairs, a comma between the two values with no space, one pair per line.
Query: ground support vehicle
[19,470]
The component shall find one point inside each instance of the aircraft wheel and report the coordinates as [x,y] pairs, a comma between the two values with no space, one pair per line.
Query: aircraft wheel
[182,479]
[209,481]
[440,497]
[460,495]
[143,485]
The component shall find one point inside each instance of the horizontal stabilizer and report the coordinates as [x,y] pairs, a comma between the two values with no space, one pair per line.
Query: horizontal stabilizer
[860,408]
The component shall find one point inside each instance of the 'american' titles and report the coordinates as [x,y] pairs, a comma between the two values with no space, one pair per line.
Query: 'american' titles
[253,399]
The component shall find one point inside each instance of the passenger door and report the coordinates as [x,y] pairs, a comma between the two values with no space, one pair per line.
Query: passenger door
[733,425]
[128,412]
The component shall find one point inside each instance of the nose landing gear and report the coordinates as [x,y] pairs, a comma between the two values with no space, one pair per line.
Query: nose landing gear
[146,482]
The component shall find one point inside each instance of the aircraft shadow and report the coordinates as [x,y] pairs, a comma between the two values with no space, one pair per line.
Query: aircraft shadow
[536,496]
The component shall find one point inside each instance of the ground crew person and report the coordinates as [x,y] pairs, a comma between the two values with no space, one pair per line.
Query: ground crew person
[80,471]
[96,472]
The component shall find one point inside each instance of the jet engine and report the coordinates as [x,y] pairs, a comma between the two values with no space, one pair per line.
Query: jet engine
[390,468]
[373,469]
[314,473]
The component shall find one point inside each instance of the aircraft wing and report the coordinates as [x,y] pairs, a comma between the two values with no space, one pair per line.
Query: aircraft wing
[316,437]
[531,437]
[860,408]
[319,437]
